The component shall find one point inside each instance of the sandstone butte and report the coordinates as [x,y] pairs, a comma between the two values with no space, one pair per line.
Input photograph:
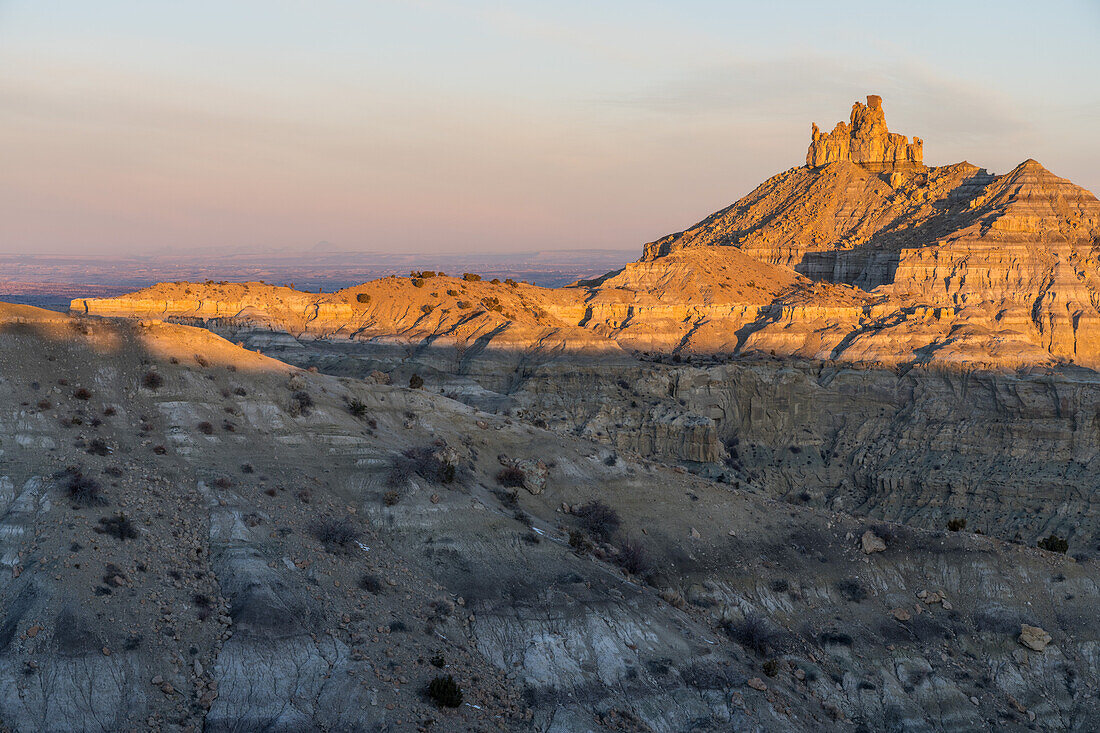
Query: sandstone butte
[863,256]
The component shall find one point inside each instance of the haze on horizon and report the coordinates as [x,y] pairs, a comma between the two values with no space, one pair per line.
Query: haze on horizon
[426,126]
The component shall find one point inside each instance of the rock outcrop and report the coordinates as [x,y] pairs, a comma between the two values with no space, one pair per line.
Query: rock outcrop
[865,140]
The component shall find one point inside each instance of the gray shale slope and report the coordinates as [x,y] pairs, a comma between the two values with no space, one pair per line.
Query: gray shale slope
[195,536]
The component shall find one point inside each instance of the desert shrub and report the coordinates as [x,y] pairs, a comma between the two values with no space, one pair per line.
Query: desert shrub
[160,450]
[438,661]
[1054,543]
[579,541]
[248,468]
[852,590]
[44,404]
[201,360]
[300,403]
[223,482]
[427,308]
[304,495]
[371,583]
[780,585]
[508,499]
[357,407]
[99,447]
[84,490]
[391,498]
[443,690]
[205,428]
[492,304]
[598,519]
[632,556]
[453,293]
[82,394]
[416,381]
[336,534]
[108,411]
[957,523]
[418,282]
[471,277]
[511,477]
[753,633]
[363,297]
[423,461]
[119,526]
[771,667]
[152,380]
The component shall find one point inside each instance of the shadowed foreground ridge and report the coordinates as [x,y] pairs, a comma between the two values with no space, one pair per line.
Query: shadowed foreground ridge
[825,460]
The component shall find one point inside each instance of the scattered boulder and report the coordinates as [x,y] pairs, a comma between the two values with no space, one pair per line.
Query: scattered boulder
[757,684]
[871,542]
[1034,637]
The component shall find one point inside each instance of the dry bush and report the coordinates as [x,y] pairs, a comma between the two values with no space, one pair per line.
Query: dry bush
[301,403]
[99,447]
[753,633]
[370,583]
[152,380]
[632,556]
[84,490]
[598,519]
[511,476]
[119,526]
[336,534]
[443,690]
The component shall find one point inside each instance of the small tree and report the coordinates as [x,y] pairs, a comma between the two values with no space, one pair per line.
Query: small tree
[416,381]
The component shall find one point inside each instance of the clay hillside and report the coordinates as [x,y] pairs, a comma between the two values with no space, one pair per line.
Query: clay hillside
[194,536]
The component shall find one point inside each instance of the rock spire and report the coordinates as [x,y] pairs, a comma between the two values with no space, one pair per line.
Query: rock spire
[865,140]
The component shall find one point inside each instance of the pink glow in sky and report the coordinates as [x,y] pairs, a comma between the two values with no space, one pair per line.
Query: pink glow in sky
[130,126]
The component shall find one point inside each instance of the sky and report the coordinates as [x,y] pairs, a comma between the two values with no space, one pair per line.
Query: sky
[137,127]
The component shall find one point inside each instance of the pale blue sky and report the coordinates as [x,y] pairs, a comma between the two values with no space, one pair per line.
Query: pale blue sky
[488,126]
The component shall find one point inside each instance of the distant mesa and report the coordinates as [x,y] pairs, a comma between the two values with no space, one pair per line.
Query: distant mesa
[866,141]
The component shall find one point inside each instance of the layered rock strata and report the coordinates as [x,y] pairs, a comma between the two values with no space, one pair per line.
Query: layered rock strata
[866,141]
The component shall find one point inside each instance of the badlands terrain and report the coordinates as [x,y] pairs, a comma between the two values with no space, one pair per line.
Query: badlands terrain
[825,460]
